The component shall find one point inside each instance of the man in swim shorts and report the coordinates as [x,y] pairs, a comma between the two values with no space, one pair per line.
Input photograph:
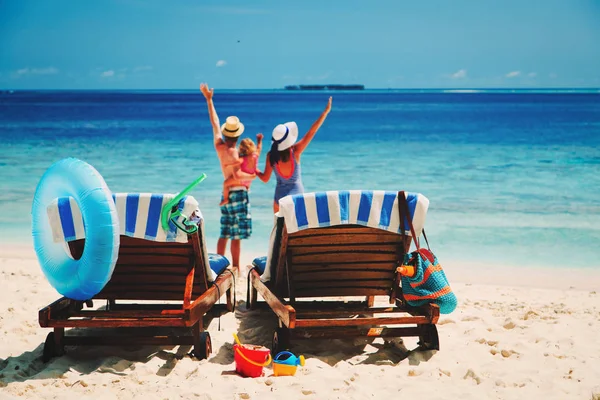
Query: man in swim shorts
[236,221]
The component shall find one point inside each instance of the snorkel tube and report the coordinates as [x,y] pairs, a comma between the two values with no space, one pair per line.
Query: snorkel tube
[171,208]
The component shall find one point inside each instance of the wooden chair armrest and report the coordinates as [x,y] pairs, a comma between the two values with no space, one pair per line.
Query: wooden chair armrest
[206,300]
[285,312]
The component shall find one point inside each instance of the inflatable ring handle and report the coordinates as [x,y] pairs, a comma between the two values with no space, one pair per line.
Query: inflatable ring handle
[269,359]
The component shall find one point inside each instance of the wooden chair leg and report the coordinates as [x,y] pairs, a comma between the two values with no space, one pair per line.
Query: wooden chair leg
[370,301]
[253,297]
[196,329]
[230,300]
[59,341]
[429,339]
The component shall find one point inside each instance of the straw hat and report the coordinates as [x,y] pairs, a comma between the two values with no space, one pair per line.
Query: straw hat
[232,127]
[285,135]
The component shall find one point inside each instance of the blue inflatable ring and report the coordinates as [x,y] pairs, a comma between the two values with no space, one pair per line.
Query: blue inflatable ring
[84,278]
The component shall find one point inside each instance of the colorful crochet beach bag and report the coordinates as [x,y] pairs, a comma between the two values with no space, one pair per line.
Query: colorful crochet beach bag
[423,279]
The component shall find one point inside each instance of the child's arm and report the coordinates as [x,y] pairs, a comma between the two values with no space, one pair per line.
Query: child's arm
[234,164]
[259,139]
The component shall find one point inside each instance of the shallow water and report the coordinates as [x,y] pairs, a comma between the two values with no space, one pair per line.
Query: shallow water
[512,178]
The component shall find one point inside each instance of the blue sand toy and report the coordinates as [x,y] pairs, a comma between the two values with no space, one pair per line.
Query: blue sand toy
[285,363]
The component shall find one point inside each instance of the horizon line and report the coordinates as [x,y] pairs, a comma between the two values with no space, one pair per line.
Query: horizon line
[303,91]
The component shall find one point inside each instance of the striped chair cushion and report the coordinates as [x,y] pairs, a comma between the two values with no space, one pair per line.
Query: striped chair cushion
[139,217]
[372,208]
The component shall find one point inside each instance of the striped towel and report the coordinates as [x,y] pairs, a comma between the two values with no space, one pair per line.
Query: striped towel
[372,208]
[139,217]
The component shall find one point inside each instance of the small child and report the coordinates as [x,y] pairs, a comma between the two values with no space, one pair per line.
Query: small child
[249,154]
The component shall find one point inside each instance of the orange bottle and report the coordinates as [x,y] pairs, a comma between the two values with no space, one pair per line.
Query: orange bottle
[406,270]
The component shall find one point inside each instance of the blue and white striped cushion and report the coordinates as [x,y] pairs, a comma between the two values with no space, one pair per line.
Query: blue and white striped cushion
[372,208]
[138,213]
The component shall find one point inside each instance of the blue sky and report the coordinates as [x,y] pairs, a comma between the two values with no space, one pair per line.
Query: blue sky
[176,44]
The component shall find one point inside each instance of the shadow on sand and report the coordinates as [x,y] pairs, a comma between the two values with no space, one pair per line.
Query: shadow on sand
[116,360]
[257,327]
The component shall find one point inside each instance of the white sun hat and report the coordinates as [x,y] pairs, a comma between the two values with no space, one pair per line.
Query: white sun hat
[285,135]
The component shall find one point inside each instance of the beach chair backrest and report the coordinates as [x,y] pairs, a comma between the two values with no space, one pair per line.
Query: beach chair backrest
[342,243]
[348,260]
[152,264]
[147,270]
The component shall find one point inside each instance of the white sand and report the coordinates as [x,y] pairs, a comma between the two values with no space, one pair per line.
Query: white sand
[537,339]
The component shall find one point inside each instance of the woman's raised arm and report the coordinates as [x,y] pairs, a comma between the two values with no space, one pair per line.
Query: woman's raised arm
[302,143]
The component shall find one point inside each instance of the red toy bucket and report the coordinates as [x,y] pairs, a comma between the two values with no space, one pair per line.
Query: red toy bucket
[250,360]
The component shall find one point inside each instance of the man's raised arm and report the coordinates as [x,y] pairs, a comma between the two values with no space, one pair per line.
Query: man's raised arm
[212,114]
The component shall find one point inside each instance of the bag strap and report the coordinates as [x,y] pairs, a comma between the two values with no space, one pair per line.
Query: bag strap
[403,212]
[426,241]
[401,216]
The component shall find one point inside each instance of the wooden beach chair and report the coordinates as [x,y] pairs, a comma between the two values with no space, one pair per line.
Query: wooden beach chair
[172,273]
[346,245]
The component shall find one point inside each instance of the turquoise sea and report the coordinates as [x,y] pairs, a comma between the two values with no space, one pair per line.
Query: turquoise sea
[513,177]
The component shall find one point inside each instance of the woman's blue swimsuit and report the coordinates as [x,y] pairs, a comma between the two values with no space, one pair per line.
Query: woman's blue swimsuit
[290,185]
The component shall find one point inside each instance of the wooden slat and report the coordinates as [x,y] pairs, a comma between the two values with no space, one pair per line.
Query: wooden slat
[347,332]
[348,267]
[341,230]
[154,259]
[128,313]
[117,323]
[180,250]
[127,340]
[335,292]
[350,249]
[139,295]
[343,239]
[333,322]
[343,257]
[329,276]
[149,279]
[147,286]
[307,313]
[154,307]
[341,283]
[176,269]
[351,306]
[150,291]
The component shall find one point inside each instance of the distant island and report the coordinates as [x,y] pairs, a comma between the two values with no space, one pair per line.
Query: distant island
[325,87]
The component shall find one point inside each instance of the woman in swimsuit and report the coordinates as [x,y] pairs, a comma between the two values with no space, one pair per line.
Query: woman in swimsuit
[284,157]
